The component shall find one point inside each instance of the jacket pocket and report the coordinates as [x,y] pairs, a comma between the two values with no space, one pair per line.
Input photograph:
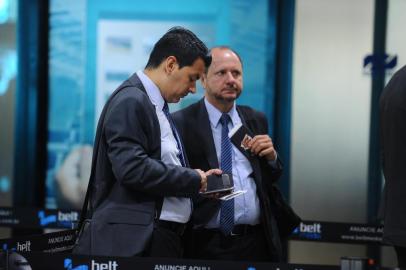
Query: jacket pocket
[131,232]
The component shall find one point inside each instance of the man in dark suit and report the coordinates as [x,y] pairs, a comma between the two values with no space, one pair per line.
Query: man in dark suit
[140,187]
[393,143]
[251,233]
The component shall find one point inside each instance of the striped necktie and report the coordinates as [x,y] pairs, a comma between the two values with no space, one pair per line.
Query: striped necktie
[226,165]
[181,157]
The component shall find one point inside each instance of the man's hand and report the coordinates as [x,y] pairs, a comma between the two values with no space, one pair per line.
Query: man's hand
[203,175]
[203,180]
[262,146]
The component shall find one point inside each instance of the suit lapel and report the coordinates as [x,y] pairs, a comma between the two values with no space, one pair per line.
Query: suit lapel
[206,136]
[254,161]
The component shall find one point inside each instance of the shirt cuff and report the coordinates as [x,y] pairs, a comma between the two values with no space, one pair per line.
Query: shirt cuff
[274,163]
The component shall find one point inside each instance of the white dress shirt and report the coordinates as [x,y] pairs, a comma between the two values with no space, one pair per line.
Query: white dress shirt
[177,209]
[246,206]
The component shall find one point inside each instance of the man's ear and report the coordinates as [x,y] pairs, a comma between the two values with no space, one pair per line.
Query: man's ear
[170,64]
[203,80]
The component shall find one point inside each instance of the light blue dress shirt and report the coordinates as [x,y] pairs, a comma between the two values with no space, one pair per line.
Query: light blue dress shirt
[176,209]
[246,206]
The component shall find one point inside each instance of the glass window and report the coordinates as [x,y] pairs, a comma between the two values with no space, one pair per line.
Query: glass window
[8,77]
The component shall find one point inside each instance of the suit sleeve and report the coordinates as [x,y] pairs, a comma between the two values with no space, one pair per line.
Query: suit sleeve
[273,172]
[128,131]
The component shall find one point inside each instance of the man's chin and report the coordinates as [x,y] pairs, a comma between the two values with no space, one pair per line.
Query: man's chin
[223,98]
[173,99]
[230,95]
[230,98]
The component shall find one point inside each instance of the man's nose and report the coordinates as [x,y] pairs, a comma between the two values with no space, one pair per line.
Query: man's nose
[230,78]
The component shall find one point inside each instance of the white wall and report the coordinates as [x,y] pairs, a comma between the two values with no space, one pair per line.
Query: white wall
[395,32]
[330,119]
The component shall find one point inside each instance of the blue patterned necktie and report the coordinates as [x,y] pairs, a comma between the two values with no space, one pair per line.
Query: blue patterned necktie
[181,157]
[226,165]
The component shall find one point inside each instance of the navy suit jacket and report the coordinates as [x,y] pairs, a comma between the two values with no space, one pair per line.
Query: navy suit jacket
[129,178]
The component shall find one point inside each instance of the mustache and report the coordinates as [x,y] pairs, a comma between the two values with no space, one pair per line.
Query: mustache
[231,87]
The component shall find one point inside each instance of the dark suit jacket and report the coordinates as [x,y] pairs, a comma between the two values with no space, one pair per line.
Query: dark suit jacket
[130,180]
[393,143]
[194,127]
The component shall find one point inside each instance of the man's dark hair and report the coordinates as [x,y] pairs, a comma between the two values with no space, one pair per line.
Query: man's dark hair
[181,43]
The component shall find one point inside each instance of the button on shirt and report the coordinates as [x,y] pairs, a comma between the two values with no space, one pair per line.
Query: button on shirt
[177,209]
[246,206]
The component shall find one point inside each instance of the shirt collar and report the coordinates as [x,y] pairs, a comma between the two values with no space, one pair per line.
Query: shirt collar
[152,89]
[215,114]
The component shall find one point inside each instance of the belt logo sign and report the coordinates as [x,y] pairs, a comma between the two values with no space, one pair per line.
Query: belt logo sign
[67,264]
[309,231]
[379,62]
[110,265]
[5,247]
[61,219]
[45,220]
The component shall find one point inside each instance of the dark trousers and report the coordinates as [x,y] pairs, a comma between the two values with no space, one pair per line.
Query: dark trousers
[401,252]
[213,245]
[166,243]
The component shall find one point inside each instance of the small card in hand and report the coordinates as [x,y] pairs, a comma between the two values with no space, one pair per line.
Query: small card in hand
[219,184]
[240,136]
